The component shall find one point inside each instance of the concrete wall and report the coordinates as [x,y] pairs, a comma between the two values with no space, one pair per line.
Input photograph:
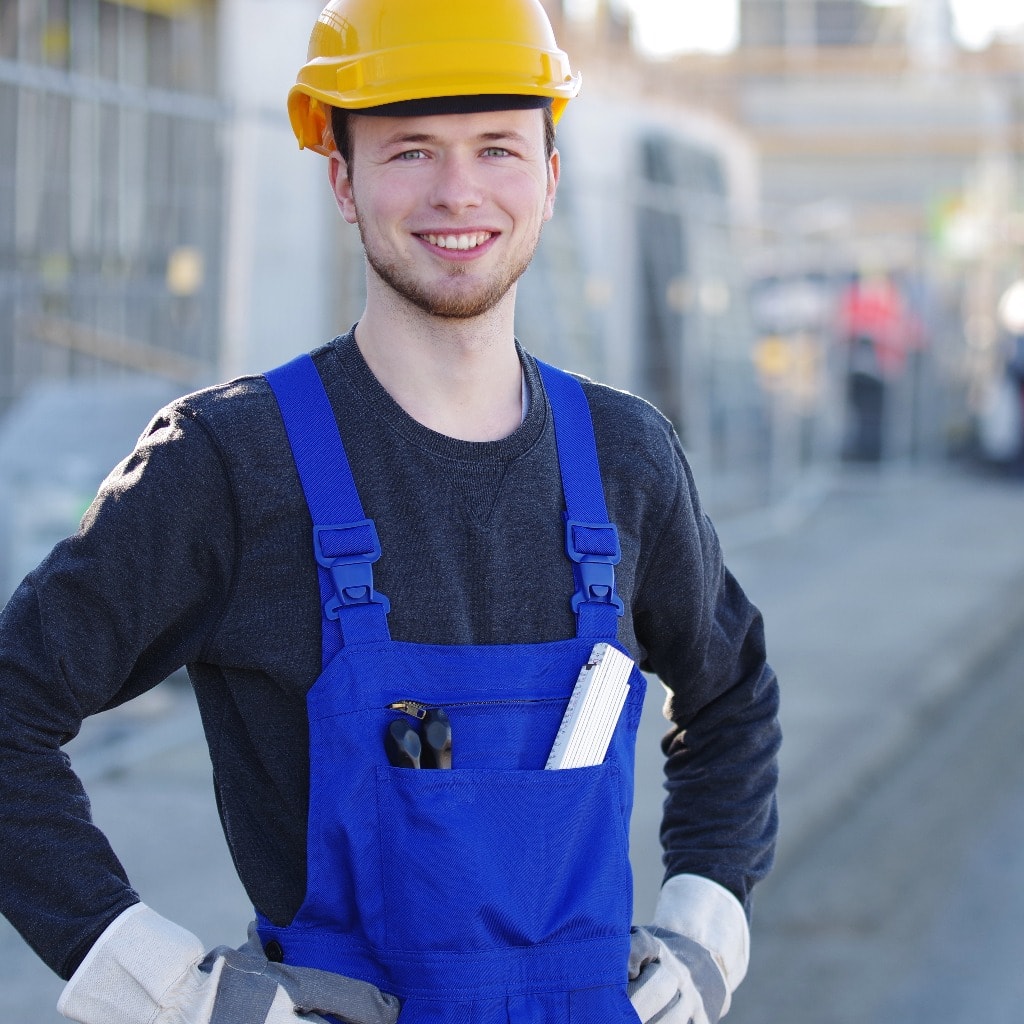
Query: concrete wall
[280,217]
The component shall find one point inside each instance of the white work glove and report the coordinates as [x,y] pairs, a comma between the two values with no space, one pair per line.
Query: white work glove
[145,969]
[684,967]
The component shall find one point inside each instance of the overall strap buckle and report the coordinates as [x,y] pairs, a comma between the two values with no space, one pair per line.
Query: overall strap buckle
[595,551]
[348,551]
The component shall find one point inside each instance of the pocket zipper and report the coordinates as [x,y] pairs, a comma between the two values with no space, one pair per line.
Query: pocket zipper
[418,709]
[412,708]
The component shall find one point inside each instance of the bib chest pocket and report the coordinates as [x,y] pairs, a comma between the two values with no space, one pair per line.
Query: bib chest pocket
[504,858]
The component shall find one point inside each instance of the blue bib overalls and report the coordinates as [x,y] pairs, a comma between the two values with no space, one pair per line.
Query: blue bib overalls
[496,892]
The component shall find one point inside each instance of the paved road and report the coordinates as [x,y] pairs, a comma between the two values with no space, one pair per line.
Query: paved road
[908,908]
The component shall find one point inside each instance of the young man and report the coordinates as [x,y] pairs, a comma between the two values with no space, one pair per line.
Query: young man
[385,566]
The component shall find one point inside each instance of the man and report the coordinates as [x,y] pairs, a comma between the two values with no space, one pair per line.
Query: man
[399,554]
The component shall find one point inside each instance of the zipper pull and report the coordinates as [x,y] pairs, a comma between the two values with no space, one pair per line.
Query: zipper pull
[413,708]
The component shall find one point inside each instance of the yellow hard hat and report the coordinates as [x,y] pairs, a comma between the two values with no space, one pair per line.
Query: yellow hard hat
[366,54]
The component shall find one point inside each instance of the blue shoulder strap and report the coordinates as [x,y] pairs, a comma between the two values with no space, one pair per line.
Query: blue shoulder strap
[591,541]
[345,542]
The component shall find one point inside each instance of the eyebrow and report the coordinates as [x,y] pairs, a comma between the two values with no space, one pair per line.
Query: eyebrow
[420,138]
[405,138]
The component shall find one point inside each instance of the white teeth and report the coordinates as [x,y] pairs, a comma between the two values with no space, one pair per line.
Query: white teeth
[462,242]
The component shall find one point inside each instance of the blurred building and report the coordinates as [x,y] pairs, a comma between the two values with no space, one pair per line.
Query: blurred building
[154,213]
[641,279]
[810,23]
[157,219]
[159,230]
[884,150]
[111,186]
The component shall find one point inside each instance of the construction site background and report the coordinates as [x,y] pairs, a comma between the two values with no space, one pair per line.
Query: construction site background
[796,249]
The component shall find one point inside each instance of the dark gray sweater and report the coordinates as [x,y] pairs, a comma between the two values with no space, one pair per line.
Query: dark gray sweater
[197,552]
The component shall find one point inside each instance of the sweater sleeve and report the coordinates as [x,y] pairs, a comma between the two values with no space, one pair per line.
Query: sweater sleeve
[111,612]
[705,640]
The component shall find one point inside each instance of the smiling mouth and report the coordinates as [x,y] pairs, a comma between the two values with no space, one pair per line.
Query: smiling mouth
[461,242]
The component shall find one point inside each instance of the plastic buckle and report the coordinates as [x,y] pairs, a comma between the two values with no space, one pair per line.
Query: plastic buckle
[595,566]
[352,549]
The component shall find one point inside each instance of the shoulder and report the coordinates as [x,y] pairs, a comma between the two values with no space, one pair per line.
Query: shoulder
[625,420]
[227,435]
[223,408]
[633,436]
[643,467]
[629,419]
[238,420]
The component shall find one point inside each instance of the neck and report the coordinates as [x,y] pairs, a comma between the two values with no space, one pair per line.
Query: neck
[461,378]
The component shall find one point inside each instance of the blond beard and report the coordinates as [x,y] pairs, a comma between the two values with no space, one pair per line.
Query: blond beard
[440,301]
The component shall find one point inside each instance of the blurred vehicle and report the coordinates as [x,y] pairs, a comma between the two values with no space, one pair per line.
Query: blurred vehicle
[999,420]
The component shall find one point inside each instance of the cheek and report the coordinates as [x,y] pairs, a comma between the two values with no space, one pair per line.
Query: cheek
[387,204]
[528,198]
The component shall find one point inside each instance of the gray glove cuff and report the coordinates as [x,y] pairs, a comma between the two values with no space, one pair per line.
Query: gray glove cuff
[706,974]
[249,984]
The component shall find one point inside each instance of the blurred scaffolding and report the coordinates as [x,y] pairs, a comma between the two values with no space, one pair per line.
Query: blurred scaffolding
[110,190]
[796,249]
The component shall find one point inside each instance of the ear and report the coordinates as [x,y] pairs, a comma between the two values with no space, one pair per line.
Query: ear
[337,171]
[554,171]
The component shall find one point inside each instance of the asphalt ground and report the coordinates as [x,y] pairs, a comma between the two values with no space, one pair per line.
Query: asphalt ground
[908,909]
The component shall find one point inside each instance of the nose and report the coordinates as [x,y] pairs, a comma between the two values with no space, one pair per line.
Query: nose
[456,185]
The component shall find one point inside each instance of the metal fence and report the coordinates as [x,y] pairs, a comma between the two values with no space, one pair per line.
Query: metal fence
[110,192]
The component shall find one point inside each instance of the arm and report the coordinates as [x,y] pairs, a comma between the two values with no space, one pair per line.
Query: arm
[705,640]
[110,613]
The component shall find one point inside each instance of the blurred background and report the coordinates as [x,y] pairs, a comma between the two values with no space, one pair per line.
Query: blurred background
[797,226]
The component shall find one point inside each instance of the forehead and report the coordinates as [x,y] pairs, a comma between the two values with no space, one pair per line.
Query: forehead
[448,129]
